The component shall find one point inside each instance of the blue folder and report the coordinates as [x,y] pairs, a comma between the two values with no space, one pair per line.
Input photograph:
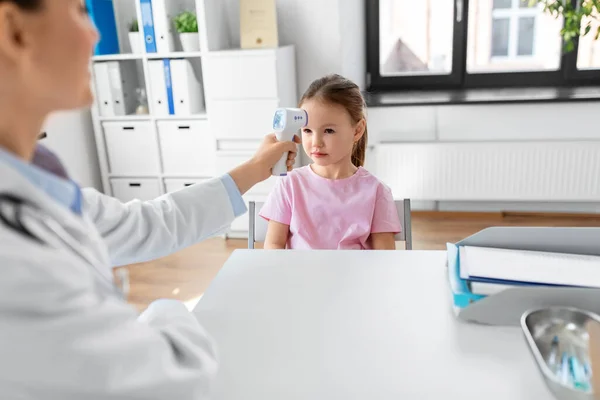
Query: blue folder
[102,13]
[148,25]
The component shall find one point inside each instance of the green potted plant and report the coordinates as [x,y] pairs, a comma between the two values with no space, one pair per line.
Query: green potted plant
[578,18]
[135,39]
[186,24]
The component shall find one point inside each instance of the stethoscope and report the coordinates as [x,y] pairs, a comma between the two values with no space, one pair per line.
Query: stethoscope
[23,211]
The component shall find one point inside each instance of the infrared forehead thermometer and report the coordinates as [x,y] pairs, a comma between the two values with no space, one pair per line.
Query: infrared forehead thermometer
[286,123]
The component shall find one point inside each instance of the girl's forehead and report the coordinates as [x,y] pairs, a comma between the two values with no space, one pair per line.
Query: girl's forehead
[319,108]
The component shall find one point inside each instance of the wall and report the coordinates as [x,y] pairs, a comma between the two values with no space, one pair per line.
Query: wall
[71,137]
[328,35]
[544,153]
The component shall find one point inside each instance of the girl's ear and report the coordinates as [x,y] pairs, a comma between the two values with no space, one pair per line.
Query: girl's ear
[359,131]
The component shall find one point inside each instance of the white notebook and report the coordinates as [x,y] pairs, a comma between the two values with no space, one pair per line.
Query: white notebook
[529,266]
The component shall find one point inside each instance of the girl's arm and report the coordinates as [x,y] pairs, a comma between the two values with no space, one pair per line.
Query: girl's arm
[277,236]
[385,220]
[383,241]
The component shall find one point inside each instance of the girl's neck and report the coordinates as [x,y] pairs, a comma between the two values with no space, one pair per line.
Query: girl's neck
[20,127]
[342,170]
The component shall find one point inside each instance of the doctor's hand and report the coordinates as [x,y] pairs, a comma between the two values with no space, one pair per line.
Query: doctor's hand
[260,167]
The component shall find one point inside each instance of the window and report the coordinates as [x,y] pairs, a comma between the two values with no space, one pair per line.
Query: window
[415,37]
[589,49]
[512,35]
[473,43]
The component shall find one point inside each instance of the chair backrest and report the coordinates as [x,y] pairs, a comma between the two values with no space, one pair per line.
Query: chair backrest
[257,231]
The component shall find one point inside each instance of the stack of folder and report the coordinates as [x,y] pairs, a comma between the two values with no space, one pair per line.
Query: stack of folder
[116,83]
[175,89]
[499,273]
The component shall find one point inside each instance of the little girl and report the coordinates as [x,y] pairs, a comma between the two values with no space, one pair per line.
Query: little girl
[334,203]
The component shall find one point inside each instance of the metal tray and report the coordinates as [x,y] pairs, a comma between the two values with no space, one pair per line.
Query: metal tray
[552,331]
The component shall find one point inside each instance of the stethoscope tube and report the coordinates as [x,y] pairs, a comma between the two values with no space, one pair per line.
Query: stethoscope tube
[23,211]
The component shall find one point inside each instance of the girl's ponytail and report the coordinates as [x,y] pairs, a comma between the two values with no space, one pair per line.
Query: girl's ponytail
[359,151]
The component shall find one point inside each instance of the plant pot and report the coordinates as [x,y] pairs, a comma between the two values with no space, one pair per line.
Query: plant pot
[136,42]
[190,41]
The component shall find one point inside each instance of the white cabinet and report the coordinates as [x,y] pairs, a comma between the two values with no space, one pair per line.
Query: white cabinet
[235,119]
[132,189]
[187,148]
[236,77]
[243,91]
[250,74]
[245,88]
[131,148]
[173,185]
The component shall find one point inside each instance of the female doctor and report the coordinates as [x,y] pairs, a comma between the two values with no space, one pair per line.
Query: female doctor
[65,330]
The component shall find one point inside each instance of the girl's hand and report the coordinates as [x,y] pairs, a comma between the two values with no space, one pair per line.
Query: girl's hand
[260,167]
[271,151]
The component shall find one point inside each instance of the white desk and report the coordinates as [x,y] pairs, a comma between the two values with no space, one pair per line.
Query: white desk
[355,325]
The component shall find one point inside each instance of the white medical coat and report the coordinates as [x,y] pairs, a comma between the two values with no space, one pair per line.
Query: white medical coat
[65,335]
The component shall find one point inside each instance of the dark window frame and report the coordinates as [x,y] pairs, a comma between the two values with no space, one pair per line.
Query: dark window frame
[566,76]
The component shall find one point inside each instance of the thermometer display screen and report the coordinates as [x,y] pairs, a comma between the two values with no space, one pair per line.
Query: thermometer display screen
[279,120]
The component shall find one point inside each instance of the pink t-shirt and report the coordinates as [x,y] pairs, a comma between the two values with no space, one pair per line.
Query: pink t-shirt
[331,214]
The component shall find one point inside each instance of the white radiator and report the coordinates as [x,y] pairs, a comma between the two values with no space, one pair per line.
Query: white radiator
[504,171]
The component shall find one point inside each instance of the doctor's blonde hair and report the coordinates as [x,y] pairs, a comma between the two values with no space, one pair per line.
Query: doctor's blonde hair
[338,90]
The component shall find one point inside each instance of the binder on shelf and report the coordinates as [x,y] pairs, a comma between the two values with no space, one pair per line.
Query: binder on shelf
[163,12]
[505,307]
[103,92]
[187,90]
[161,87]
[148,25]
[122,84]
[102,13]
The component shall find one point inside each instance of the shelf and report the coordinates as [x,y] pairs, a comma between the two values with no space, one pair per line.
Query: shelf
[162,176]
[118,57]
[126,118]
[119,118]
[177,54]
[181,117]
[148,56]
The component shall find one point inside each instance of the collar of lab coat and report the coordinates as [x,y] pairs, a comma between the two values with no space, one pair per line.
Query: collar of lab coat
[62,189]
[15,184]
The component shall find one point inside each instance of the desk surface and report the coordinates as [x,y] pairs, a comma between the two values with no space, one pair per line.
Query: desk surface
[355,325]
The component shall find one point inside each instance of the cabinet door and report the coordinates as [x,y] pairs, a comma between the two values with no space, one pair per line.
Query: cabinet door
[132,148]
[242,119]
[187,148]
[236,76]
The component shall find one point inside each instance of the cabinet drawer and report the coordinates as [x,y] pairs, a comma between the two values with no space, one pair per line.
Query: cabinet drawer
[131,148]
[131,189]
[187,148]
[242,119]
[173,185]
[237,76]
